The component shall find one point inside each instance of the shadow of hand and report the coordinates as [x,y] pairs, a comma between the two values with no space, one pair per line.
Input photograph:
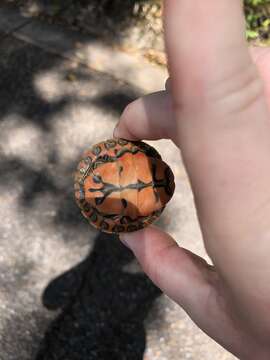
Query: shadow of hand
[102,307]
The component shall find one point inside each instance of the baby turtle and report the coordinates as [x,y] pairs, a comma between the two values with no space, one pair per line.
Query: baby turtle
[122,186]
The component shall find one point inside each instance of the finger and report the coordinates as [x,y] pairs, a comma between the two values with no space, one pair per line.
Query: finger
[149,118]
[205,42]
[232,149]
[180,274]
[191,282]
[224,150]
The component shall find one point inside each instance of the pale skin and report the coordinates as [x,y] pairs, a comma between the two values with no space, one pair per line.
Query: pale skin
[216,110]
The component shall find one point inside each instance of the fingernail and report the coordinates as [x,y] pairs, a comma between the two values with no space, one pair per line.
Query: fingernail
[116,130]
[127,239]
[132,239]
[124,240]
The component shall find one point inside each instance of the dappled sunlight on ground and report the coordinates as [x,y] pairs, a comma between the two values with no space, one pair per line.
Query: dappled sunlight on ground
[67,291]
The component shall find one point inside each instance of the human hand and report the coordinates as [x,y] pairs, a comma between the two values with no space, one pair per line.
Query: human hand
[216,110]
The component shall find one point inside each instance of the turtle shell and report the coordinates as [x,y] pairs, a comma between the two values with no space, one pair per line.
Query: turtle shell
[122,186]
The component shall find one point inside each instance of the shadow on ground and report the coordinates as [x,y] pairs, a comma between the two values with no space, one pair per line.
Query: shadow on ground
[101,306]
[21,63]
[105,19]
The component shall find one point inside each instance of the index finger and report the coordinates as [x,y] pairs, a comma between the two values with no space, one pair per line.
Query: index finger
[205,42]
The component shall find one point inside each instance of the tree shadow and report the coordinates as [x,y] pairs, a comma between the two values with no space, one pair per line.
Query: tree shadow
[19,93]
[103,307]
[105,19]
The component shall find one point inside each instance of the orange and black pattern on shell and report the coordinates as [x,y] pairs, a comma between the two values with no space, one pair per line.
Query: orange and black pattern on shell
[122,186]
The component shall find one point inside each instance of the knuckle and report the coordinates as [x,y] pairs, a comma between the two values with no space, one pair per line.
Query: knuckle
[237,91]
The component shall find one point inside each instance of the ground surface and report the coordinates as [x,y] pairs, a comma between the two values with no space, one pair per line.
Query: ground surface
[135,24]
[68,292]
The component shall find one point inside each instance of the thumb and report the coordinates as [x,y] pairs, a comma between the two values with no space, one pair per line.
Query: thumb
[192,283]
[182,275]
